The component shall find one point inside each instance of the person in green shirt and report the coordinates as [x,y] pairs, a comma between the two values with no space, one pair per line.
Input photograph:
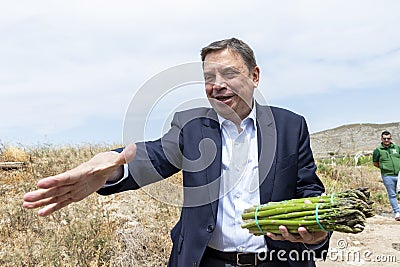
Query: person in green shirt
[386,157]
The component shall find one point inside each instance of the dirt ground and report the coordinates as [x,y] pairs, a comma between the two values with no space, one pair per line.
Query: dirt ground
[377,245]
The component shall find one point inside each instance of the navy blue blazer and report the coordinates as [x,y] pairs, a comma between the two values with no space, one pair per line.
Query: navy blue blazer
[193,145]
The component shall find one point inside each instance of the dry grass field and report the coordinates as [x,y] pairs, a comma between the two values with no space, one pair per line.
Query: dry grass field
[127,229]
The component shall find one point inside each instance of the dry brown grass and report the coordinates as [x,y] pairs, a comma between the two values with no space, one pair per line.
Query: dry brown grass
[127,229]
[342,175]
[80,235]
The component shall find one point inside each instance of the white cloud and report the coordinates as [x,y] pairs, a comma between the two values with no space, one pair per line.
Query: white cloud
[62,62]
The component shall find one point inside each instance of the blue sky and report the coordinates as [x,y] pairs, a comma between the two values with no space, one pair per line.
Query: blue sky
[69,69]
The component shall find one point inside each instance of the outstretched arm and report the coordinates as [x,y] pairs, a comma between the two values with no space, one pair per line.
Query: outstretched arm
[58,191]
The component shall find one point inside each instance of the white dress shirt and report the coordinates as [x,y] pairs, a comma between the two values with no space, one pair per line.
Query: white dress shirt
[239,187]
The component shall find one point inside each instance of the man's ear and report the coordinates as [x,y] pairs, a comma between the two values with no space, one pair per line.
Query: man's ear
[255,76]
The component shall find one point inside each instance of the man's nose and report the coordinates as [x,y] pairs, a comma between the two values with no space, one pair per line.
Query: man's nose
[220,82]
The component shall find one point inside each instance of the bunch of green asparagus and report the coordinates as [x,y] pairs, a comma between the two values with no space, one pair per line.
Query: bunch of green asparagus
[343,212]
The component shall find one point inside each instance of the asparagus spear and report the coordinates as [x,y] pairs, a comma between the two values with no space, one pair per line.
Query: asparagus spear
[345,212]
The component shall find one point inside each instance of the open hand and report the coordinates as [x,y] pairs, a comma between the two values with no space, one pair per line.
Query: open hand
[58,191]
[303,237]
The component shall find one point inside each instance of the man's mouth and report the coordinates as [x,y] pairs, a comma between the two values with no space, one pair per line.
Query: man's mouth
[224,98]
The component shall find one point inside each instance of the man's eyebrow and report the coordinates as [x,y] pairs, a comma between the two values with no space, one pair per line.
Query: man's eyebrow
[208,73]
[223,69]
[230,68]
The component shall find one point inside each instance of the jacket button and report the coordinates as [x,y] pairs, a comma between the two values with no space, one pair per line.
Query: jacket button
[210,228]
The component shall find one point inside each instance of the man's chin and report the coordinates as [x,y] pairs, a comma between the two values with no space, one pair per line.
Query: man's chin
[225,111]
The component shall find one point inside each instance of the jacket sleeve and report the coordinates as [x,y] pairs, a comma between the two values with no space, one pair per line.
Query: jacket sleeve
[154,161]
[308,183]
[375,155]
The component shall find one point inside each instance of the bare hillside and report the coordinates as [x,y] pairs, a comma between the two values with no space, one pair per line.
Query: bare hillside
[352,138]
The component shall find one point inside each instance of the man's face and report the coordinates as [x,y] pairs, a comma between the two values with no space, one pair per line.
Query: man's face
[386,139]
[229,84]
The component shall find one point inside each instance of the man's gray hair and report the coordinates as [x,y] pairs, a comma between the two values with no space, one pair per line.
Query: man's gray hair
[235,45]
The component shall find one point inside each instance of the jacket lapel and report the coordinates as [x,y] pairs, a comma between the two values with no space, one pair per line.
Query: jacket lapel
[267,140]
[211,130]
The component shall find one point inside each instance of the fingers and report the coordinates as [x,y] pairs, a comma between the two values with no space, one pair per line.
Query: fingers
[312,238]
[285,235]
[303,237]
[274,236]
[62,179]
[43,197]
[288,236]
[41,194]
[57,203]
[57,198]
[47,201]
[54,207]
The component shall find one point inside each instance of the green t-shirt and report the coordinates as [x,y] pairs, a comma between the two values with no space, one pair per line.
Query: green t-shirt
[388,158]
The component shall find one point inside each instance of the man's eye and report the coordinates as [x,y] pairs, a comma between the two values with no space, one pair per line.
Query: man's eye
[209,79]
[230,75]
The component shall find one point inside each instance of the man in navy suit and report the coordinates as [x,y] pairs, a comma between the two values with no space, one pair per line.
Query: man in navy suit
[234,155]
